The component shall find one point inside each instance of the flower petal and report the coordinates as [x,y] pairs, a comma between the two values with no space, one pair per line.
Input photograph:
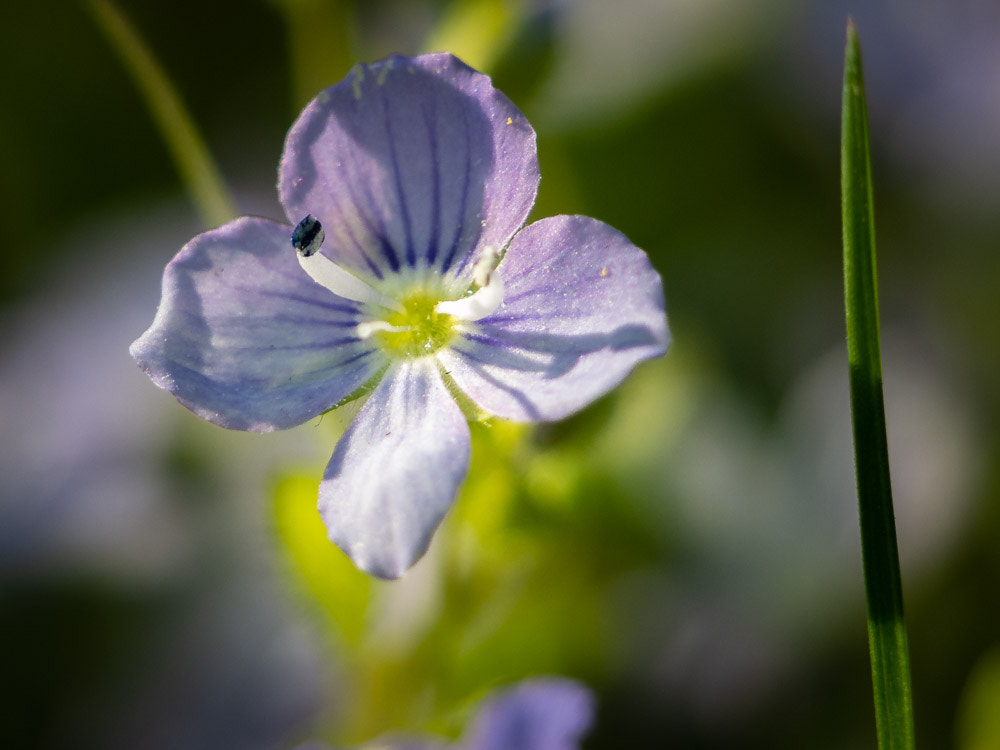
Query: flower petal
[582,307]
[396,470]
[245,339]
[542,714]
[408,162]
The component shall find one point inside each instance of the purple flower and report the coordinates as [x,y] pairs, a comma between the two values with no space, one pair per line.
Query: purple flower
[541,714]
[544,714]
[408,276]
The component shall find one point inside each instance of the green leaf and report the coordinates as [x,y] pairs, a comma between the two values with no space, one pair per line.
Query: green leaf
[883,585]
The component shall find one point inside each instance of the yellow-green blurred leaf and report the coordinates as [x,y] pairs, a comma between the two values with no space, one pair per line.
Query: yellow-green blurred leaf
[320,44]
[323,571]
[979,710]
[476,31]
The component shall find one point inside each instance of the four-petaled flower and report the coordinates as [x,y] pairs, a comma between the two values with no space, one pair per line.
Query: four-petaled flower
[407,276]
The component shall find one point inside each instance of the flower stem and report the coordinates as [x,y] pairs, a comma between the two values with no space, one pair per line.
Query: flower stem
[186,146]
[883,585]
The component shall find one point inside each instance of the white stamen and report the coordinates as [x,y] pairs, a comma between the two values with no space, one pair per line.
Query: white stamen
[487,298]
[369,328]
[483,269]
[343,283]
[484,302]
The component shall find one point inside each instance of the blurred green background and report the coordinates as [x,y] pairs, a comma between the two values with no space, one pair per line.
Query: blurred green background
[687,546]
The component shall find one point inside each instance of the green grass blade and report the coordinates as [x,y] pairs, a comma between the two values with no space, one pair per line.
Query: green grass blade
[883,585]
[186,146]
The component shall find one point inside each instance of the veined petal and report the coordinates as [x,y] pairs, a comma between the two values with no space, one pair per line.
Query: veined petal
[396,470]
[411,162]
[541,714]
[582,307]
[245,339]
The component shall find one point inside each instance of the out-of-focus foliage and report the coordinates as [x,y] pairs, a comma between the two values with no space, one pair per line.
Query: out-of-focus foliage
[687,546]
[979,718]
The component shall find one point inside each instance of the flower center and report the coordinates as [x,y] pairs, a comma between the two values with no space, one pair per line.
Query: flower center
[418,329]
[418,324]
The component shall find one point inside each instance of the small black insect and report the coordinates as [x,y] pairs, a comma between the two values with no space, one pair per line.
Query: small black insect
[308,236]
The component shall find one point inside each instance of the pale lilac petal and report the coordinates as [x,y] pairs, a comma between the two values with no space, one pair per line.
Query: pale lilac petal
[396,470]
[245,339]
[543,714]
[410,161]
[582,307]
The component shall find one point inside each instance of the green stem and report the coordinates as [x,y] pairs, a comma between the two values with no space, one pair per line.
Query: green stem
[883,585]
[188,150]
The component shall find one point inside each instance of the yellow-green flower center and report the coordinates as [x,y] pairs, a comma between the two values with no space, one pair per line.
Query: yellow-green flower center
[426,331]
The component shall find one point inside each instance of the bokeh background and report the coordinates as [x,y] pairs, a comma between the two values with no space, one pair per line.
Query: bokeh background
[687,546]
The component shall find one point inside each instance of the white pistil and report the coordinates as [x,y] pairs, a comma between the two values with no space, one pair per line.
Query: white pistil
[486,299]
[343,283]
[368,328]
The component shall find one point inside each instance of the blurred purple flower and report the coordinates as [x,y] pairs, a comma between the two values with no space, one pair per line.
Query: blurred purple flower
[421,175]
[541,714]
[544,714]
[139,603]
[931,73]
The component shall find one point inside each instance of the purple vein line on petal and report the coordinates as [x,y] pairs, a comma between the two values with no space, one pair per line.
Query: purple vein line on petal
[314,346]
[300,320]
[436,203]
[372,266]
[346,189]
[404,212]
[337,363]
[273,268]
[338,307]
[545,292]
[516,393]
[466,180]
[370,223]
[508,318]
